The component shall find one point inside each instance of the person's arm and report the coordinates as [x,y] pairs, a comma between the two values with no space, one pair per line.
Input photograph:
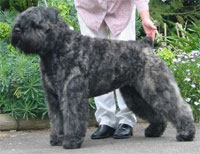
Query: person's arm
[143,9]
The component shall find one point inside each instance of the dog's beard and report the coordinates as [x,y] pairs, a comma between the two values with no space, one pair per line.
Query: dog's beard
[27,43]
[15,40]
[24,46]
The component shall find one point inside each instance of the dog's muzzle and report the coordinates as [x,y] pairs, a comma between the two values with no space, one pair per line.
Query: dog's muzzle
[15,37]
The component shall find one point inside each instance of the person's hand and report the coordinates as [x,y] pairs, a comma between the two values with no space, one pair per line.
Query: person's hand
[149,28]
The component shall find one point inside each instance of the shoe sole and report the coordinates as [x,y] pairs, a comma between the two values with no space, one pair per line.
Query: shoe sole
[102,137]
[122,137]
[96,138]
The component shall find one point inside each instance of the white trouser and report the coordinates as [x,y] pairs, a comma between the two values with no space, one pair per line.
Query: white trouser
[106,108]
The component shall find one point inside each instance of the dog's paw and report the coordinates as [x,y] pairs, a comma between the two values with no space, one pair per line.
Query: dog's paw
[72,142]
[55,143]
[185,136]
[56,140]
[186,132]
[155,130]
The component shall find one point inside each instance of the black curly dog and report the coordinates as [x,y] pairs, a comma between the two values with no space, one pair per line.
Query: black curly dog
[75,68]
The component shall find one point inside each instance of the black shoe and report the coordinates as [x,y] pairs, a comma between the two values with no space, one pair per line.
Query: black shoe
[123,131]
[103,131]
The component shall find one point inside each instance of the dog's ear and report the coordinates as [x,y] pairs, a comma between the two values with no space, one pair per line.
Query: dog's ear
[148,40]
[36,18]
[53,14]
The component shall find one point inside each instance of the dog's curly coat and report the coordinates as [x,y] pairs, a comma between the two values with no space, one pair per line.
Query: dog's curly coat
[76,67]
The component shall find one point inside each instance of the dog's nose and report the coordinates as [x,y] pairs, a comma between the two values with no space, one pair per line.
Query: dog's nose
[17,30]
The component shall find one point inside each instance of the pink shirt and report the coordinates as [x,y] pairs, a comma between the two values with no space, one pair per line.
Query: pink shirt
[116,13]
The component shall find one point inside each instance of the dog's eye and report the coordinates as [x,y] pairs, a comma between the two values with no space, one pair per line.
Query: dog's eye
[26,27]
[36,26]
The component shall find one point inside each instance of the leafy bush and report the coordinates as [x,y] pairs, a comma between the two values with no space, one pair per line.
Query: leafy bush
[67,11]
[167,55]
[4,4]
[8,16]
[22,5]
[172,11]
[5,30]
[185,40]
[3,46]
[187,74]
[21,93]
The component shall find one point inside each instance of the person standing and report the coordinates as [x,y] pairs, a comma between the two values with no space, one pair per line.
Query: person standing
[116,18]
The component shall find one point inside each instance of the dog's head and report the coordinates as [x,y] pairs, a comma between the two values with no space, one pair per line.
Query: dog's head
[35,30]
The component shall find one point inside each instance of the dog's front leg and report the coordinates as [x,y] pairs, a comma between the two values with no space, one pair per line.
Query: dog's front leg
[56,119]
[75,111]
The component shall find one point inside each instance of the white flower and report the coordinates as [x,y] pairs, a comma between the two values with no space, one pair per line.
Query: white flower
[187,70]
[196,103]
[70,27]
[193,85]
[178,60]
[187,79]
[195,53]
[193,60]
[198,91]
[198,65]
[183,62]
[175,60]
[180,56]
[188,99]
[191,56]
[186,57]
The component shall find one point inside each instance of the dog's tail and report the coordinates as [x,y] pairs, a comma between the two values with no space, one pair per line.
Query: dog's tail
[148,40]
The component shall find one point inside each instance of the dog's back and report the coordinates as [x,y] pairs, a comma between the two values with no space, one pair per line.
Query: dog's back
[114,64]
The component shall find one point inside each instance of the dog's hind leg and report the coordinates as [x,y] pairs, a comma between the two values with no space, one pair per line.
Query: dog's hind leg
[139,106]
[161,92]
[56,119]
[178,112]
[75,109]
